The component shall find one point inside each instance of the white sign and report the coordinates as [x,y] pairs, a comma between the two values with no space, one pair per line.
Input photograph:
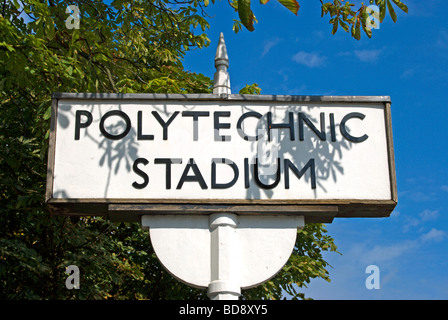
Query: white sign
[239,149]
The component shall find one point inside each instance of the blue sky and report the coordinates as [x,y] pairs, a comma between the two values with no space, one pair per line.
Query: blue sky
[407,61]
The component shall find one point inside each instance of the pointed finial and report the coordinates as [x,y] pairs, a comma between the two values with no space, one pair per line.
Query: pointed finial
[221,83]
[221,57]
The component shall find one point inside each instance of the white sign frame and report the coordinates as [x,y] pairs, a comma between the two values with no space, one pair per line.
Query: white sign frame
[378,200]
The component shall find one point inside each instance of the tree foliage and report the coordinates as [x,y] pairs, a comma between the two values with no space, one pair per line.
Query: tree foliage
[125,46]
[342,14]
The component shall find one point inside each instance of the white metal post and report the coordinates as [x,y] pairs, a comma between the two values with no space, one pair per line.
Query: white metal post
[224,283]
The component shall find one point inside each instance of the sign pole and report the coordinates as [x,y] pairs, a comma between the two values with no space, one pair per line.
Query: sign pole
[224,257]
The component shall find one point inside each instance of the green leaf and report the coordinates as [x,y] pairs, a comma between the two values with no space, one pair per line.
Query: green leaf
[237,26]
[357,34]
[250,89]
[234,4]
[344,25]
[47,114]
[264,1]
[401,5]
[367,30]
[392,11]
[292,5]
[335,26]
[246,15]
[9,47]
[382,5]
[49,28]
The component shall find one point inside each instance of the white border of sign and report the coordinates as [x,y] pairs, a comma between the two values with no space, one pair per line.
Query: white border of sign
[314,210]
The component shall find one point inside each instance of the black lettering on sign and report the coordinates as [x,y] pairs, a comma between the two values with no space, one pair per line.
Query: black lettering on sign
[344,132]
[289,125]
[140,135]
[120,114]
[218,125]
[79,124]
[216,185]
[163,123]
[141,173]
[167,162]
[197,177]
[321,134]
[195,115]
[332,128]
[240,122]
[309,165]
[257,178]
[246,173]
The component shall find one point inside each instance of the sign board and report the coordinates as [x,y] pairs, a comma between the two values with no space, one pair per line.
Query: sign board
[123,155]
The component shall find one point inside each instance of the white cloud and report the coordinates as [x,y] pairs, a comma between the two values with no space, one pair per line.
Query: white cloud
[309,59]
[408,73]
[425,215]
[365,55]
[368,55]
[433,235]
[419,196]
[268,45]
[386,254]
[429,215]
[410,222]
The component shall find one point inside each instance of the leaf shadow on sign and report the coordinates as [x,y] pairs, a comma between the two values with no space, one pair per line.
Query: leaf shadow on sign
[116,154]
[327,154]
[120,154]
